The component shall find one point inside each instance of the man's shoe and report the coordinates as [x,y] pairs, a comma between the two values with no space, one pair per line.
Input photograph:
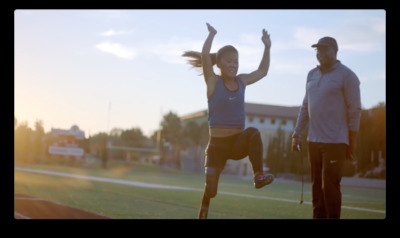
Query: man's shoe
[261,180]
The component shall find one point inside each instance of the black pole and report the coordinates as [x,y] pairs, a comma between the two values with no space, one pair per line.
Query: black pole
[302,174]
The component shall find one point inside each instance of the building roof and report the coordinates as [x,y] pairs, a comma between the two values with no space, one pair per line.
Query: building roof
[202,113]
[271,110]
[74,131]
[257,109]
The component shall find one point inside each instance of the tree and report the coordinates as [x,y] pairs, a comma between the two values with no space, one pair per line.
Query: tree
[98,144]
[171,128]
[171,133]
[281,159]
[197,136]
[276,152]
[133,137]
[22,139]
[371,139]
[37,141]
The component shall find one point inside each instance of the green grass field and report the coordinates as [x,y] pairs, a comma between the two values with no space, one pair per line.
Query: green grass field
[236,199]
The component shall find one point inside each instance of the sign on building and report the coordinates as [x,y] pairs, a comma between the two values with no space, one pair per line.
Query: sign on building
[66,142]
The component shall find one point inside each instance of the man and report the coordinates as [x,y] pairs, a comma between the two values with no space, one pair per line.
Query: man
[331,110]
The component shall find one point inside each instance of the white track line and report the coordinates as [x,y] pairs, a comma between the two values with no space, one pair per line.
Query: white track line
[21,216]
[153,185]
[24,198]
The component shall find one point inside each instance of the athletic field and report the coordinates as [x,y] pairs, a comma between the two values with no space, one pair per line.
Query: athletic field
[144,191]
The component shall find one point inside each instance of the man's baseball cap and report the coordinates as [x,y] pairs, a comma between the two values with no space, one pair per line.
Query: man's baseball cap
[327,41]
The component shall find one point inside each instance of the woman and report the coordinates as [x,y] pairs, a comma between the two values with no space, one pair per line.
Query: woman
[225,92]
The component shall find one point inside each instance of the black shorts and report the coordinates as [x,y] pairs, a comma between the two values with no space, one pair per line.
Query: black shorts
[220,149]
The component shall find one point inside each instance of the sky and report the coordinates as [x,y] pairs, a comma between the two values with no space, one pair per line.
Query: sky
[106,69]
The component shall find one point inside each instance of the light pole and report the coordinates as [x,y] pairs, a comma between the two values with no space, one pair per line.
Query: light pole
[109,116]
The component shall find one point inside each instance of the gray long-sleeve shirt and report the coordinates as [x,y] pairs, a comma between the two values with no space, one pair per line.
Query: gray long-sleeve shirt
[331,106]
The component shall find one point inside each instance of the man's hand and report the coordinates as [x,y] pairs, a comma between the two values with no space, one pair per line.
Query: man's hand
[296,142]
[350,153]
[351,149]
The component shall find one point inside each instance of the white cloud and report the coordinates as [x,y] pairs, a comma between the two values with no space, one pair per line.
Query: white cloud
[172,50]
[117,50]
[378,76]
[354,34]
[112,32]
[109,15]
[304,37]
[250,38]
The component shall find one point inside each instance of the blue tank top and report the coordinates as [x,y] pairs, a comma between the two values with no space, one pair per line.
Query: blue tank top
[225,107]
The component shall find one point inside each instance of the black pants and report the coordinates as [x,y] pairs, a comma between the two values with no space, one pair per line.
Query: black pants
[327,162]
[236,147]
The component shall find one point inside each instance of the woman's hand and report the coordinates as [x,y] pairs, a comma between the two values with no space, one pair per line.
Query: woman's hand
[211,29]
[266,39]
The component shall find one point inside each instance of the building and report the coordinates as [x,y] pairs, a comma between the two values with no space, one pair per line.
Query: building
[266,118]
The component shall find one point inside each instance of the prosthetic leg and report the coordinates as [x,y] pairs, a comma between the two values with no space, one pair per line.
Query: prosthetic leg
[205,203]
[210,190]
